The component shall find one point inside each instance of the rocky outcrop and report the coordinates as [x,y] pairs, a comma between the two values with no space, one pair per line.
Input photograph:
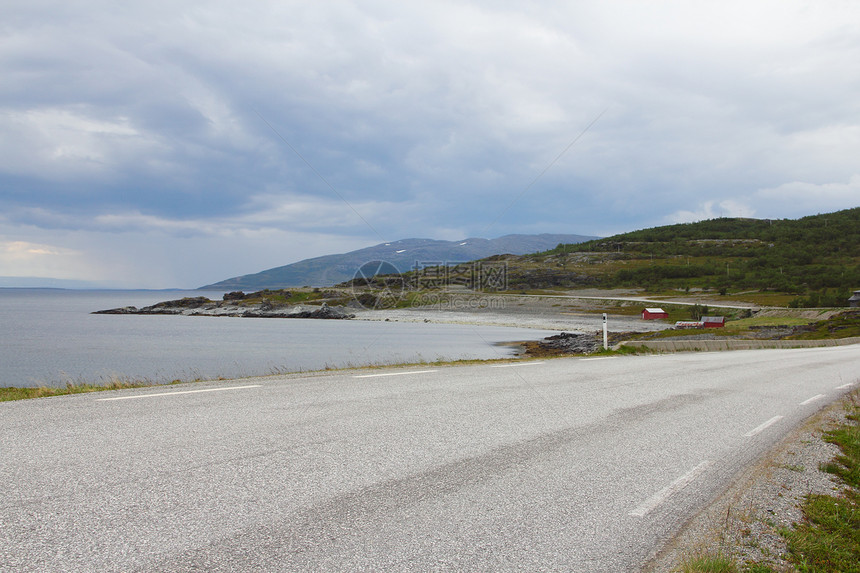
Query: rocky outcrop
[564,343]
[202,306]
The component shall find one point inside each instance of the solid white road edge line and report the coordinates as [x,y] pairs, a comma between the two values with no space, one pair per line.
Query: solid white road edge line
[762,427]
[395,374]
[516,364]
[598,358]
[176,393]
[813,399]
[669,490]
[844,386]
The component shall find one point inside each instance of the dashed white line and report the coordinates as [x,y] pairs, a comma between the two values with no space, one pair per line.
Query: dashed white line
[600,358]
[136,396]
[813,399]
[844,386]
[763,427]
[516,364]
[395,374]
[669,490]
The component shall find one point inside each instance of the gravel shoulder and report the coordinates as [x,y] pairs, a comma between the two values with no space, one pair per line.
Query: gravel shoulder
[744,521]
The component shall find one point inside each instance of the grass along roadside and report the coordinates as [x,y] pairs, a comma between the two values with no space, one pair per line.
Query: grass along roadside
[116,383]
[828,539]
[793,516]
[13,393]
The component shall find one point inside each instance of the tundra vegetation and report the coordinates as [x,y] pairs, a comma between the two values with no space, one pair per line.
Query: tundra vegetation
[816,258]
[828,539]
[812,262]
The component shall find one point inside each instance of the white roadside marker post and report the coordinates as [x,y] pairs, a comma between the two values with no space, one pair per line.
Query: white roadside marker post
[605,334]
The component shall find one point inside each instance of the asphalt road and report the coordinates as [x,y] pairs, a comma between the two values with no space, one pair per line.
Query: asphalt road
[563,465]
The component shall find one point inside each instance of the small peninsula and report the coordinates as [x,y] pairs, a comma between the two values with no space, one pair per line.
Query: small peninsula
[263,304]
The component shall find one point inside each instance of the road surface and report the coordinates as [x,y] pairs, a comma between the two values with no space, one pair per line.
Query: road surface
[564,465]
[643,300]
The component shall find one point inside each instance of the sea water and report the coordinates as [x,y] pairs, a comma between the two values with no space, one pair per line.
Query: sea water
[49,337]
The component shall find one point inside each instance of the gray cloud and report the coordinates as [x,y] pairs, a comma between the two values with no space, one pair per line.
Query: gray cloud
[427,119]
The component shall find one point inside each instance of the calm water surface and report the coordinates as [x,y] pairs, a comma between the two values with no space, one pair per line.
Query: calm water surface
[49,337]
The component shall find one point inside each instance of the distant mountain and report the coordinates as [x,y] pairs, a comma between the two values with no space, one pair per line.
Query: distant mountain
[45,282]
[404,255]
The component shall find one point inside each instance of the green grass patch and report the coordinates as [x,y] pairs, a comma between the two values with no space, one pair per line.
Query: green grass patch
[763,298]
[8,394]
[708,563]
[672,333]
[742,325]
[609,306]
[844,325]
[745,323]
[623,350]
[283,297]
[828,539]
[298,297]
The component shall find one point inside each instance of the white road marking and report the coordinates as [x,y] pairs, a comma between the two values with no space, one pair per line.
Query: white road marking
[669,490]
[813,399]
[601,358]
[763,427]
[844,386]
[395,374]
[516,364]
[177,393]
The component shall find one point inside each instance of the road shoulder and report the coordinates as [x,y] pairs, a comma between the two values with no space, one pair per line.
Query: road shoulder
[743,523]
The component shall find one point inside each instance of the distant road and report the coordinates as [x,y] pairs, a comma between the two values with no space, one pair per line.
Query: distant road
[741,306]
[564,465]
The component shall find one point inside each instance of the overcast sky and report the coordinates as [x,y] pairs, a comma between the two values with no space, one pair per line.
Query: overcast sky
[169,144]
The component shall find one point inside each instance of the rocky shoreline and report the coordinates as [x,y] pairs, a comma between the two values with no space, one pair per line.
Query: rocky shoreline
[577,319]
[579,331]
[557,345]
[202,306]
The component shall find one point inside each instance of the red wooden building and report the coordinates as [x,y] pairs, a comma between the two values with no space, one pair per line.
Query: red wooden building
[714,321]
[654,313]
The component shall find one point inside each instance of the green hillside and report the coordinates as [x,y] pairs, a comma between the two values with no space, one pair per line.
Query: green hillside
[816,256]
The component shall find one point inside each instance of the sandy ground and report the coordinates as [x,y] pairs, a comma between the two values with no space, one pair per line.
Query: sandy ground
[524,312]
